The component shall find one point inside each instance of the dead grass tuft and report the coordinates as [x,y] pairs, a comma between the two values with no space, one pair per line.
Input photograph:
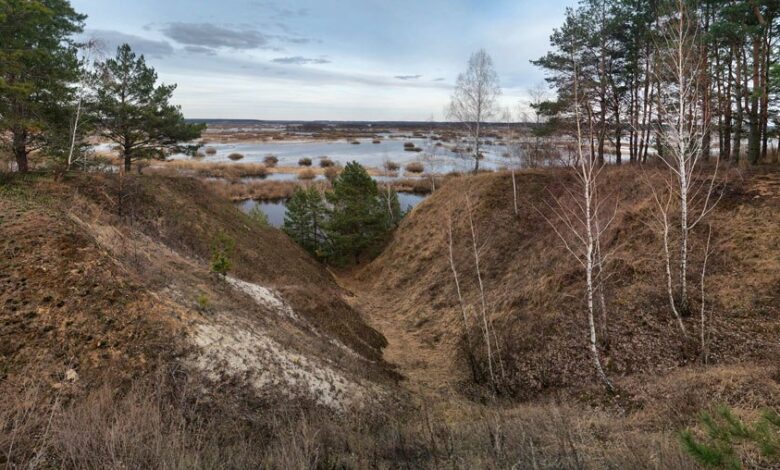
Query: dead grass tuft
[307,174]
[415,167]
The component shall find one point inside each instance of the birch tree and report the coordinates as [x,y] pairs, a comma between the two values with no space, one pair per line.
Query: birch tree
[90,48]
[582,226]
[475,100]
[681,136]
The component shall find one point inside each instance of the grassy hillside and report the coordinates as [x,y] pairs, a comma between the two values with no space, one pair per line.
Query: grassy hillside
[534,288]
[120,347]
[107,291]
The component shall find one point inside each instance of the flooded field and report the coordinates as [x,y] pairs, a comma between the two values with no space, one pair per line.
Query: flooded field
[436,159]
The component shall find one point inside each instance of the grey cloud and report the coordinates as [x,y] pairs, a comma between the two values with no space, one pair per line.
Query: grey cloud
[110,40]
[200,50]
[213,36]
[407,77]
[298,60]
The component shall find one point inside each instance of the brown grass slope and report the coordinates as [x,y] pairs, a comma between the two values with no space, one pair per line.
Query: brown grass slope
[534,287]
[105,279]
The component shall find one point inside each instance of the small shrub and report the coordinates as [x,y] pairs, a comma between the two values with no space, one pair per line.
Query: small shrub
[199,154]
[221,250]
[307,174]
[326,162]
[203,302]
[210,151]
[304,161]
[235,156]
[270,161]
[409,145]
[415,167]
[376,141]
[355,142]
[392,166]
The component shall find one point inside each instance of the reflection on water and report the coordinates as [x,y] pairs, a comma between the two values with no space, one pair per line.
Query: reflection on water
[276,210]
[408,201]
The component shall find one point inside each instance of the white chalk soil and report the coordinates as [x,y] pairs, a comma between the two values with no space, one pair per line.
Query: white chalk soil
[231,345]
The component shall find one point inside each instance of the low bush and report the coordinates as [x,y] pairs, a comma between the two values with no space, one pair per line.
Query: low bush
[415,167]
[391,166]
[376,141]
[304,161]
[326,162]
[355,142]
[221,251]
[210,151]
[235,156]
[408,145]
[270,161]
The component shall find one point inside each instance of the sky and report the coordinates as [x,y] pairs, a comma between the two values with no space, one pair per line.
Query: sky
[326,59]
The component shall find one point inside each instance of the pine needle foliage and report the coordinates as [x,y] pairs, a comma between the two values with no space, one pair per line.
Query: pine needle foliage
[728,438]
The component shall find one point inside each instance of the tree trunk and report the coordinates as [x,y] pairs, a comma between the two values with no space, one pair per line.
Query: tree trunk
[766,63]
[20,150]
[728,123]
[754,138]
[706,99]
[738,125]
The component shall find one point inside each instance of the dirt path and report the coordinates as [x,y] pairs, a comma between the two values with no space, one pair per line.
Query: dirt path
[426,366]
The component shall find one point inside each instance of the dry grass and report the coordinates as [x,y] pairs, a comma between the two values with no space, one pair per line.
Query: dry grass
[259,190]
[307,174]
[542,301]
[170,420]
[331,172]
[413,185]
[207,169]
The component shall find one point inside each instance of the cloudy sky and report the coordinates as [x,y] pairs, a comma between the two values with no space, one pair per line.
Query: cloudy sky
[326,59]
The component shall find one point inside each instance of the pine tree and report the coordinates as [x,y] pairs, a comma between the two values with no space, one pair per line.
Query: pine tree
[305,218]
[38,65]
[358,218]
[135,113]
[726,433]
